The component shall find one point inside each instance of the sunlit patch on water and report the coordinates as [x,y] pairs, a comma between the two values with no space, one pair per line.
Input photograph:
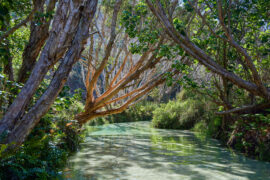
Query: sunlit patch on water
[134,151]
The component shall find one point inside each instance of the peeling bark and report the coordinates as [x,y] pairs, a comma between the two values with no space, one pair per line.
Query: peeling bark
[24,126]
[65,25]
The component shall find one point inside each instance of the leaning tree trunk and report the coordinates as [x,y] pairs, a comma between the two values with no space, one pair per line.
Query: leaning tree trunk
[64,27]
[47,58]
[38,36]
[24,126]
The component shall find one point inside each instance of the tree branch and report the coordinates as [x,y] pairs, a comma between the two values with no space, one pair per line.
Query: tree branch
[17,26]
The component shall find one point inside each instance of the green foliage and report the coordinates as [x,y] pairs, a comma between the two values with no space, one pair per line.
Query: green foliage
[8,91]
[17,42]
[138,23]
[179,26]
[210,125]
[139,112]
[56,136]
[41,17]
[130,18]
[16,8]
[40,157]
[180,113]
[13,47]
[251,135]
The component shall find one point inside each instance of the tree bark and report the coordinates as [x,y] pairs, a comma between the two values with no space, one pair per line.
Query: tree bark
[24,126]
[249,109]
[84,117]
[63,30]
[38,36]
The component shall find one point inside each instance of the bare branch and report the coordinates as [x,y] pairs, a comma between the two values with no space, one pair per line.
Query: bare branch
[17,26]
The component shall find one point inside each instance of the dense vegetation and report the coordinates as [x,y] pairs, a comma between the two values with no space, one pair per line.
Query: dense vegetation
[246,133]
[140,112]
[112,54]
[51,142]
[181,113]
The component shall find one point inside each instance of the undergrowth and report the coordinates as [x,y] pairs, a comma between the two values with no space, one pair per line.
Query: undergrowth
[45,152]
[181,113]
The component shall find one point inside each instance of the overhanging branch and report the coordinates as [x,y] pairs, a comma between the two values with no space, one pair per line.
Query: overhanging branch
[250,109]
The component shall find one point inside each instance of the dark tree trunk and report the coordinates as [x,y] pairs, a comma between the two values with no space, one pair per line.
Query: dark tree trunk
[6,57]
[8,69]
[38,36]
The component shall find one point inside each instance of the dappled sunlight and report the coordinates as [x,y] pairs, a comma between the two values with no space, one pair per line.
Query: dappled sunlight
[136,151]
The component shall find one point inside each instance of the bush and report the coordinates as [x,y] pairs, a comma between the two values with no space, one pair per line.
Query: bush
[46,149]
[181,113]
[8,91]
[40,157]
[178,114]
[251,135]
[210,124]
[139,112]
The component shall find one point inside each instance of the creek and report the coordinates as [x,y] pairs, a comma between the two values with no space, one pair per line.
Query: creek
[135,151]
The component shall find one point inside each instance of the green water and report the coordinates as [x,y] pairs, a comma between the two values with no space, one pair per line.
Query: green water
[134,151]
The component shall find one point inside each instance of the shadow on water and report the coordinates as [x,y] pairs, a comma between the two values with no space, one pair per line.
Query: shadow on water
[135,151]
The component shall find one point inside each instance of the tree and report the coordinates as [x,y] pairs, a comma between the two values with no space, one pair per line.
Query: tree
[67,37]
[115,78]
[12,17]
[219,20]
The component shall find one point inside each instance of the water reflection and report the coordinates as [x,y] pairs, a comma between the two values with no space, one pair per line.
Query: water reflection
[134,151]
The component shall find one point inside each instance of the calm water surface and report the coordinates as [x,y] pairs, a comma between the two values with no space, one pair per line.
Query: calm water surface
[134,151]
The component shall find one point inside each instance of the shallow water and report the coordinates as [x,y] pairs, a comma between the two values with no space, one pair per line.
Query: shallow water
[134,151]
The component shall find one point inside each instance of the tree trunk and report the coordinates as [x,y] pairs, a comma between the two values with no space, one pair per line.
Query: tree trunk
[38,36]
[24,126]
[65,23]
[8,69]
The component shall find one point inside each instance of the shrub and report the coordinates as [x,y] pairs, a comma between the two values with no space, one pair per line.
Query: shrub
[178,114]
[39,158]
[139,112]
[251,135]
[181,113]
[210,124]
[45,152]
